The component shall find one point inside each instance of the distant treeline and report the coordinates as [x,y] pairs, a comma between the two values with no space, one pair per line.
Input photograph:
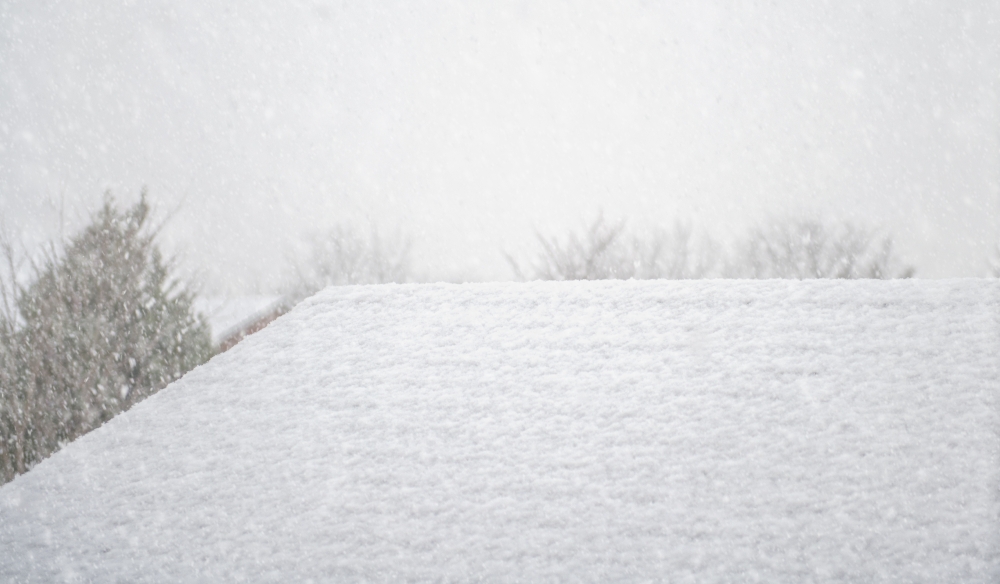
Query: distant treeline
[796,249]
[603,250]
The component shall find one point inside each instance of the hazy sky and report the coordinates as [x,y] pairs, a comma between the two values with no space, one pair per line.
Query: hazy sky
[470,125]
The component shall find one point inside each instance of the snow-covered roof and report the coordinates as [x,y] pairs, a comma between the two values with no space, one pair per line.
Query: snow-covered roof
[779,431]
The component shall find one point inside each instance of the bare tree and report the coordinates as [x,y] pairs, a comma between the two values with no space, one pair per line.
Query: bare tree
[676,254]
[804,249]
[595,254]
[343,255]
[607,251]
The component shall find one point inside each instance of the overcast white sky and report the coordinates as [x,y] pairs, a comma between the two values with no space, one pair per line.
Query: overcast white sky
[471,124]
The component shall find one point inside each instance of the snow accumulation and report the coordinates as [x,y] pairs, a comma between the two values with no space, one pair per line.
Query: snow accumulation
[703,431]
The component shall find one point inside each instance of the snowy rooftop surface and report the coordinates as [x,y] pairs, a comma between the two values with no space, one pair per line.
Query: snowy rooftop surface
[774,431]
[227,315]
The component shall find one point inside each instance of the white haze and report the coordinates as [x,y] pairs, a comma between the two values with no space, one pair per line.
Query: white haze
[471,125]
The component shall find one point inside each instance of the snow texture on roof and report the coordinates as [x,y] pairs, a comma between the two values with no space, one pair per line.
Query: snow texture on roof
[774,431]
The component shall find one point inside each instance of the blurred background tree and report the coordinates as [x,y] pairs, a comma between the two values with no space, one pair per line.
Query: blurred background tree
[345,255]
[609,251]
[793,248]
[804,249]
[101,326]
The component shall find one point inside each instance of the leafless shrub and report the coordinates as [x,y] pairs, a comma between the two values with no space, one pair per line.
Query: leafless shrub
[344,256]
[804,249]
[608,251]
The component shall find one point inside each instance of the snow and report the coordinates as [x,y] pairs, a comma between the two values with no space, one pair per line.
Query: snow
[738,431]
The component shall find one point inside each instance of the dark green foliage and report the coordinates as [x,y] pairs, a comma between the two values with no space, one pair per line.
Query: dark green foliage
[102,327]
